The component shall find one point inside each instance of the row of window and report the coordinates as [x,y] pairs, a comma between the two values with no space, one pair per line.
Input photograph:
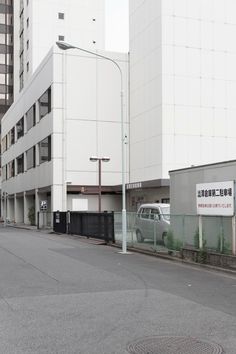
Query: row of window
[18,131]
[25,162]
[21,74]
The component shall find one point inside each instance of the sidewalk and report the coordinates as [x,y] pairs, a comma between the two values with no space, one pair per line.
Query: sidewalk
[25,227]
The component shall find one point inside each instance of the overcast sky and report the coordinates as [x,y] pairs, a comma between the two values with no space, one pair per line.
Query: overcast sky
[117,25]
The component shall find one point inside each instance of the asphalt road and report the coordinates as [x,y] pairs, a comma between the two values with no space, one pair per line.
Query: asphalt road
[63,295]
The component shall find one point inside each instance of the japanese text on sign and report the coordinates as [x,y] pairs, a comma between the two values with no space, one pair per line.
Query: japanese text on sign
[215,198]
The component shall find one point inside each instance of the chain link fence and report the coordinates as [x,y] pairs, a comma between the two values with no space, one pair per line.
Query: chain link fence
[179,231]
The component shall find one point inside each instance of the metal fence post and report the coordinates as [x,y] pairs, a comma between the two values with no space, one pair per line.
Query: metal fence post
[38,220]
[113,227]
[155,233]
[68,221]
[233,236]
[200,231]
[106,236]
[221,235]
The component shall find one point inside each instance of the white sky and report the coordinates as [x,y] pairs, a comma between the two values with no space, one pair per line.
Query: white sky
[117,25]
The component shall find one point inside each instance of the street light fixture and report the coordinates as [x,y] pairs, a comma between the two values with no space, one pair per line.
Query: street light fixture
[65,46]
[100,160]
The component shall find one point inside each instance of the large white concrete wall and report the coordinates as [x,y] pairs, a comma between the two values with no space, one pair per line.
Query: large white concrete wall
[83,25]
[199,82]
[183,84]
[93,117]
[145,90]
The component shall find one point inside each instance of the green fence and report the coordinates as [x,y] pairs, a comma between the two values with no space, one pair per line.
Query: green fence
[182,231]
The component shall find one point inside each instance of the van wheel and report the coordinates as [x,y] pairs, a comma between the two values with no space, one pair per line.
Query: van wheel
[139,236]
[164,239]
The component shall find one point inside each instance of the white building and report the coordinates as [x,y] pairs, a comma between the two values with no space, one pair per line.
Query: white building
[38,24]
[68,111]
[182,87]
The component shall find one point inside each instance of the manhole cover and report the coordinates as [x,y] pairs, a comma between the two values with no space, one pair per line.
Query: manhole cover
[173,345]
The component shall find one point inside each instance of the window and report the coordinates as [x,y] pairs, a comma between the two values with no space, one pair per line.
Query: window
[12,136]
[45,150]
[4,173]
[45,103]
[21,81]
[61,15]
[155,214]
[12,168]
[20,164]
[4,143]
[27,44]
[27,22]
[30,158]
[61,38]
[165,200]
[145,213]
[27,66]
[30,117]
[20,128]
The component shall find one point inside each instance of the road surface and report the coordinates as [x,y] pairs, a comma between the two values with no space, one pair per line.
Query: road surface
[65,295]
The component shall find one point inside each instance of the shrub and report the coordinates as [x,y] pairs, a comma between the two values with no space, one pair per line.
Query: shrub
[31,215]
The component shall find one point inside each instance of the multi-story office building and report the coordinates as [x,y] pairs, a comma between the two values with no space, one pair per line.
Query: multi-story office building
[6,55]
[68,112]
[38,24]
[65,110]
[182,89]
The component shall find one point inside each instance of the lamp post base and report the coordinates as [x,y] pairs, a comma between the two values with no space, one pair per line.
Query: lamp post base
[122,252]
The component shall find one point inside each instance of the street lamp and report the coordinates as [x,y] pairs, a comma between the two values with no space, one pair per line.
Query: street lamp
[65,46]
[100,160]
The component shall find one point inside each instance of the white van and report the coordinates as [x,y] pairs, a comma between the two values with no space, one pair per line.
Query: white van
[152,219]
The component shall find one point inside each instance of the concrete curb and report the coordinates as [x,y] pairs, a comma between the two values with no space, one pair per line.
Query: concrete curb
[178,260]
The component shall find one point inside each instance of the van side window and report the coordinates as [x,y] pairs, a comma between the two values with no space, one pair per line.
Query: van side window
[154,214]
[145,213]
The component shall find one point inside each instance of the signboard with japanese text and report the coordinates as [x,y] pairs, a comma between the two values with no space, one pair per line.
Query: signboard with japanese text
[215,198]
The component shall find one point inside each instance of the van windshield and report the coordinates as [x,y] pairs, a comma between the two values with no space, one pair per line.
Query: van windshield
[165,212]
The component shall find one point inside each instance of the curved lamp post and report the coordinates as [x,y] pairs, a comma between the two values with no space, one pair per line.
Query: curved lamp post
[66,46]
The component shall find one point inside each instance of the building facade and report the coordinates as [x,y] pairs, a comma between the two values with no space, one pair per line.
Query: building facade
[38,24]
[182,85]
[68,112]
[6,55]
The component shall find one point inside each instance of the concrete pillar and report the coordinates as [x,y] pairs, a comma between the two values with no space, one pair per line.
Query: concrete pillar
[3,206]
[19,210]
[7,208]
[57,198]
[15,209]
[26,208]
[37,208]
[10,209]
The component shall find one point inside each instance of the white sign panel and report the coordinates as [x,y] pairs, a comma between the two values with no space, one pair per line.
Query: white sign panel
[79,204]
[215,198]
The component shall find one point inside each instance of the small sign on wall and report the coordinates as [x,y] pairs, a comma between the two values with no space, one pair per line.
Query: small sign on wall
[215,198]
[43,205]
